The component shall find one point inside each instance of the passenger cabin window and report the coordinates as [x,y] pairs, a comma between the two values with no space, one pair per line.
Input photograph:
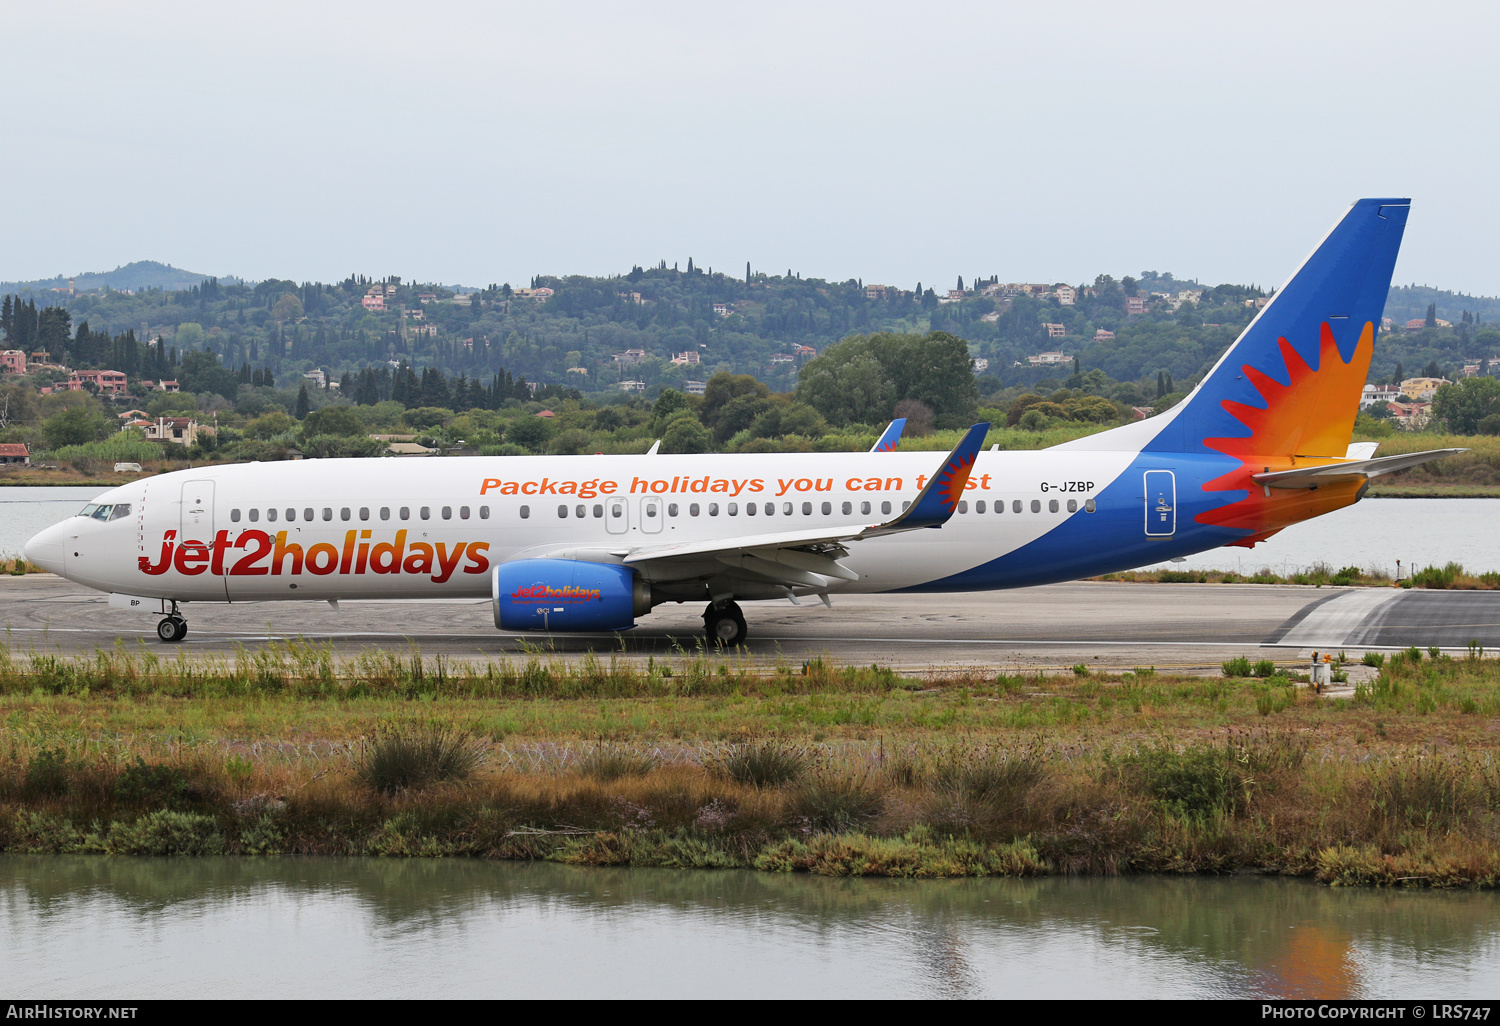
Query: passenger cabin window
[1036,505]
[291,514]
[671,509]
[1015,507]
[807,509]
[1072,505]
[713,509]
[733,509]
[827,508]
[979,506]
[385,512]
[864,509]
[1088,505]
[234,516]
[848,508]
[885,507]
[598,511]
[484,513]
[525,512]
[749,509]
[906,506]
[770,508]
[307,514]
[463,512]
[327,513]
[963,506]
[1051,505]
[447,512]
[405,512]
[562,512]
[426,512]
[364,512]
[693,510]
[344,513]
[254,515]
[580,512]
[786,508]
[271,514]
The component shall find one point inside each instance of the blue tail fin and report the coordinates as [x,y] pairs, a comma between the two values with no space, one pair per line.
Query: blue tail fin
[1291,383]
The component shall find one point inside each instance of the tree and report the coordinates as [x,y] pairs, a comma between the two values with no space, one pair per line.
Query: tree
[669,405]
[304,404]
[685,434]
[340,421]
[76,425]
[287,308]
[1431,320]
[1465,405]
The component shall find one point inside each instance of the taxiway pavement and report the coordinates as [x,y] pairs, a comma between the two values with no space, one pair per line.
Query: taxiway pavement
[1185,627]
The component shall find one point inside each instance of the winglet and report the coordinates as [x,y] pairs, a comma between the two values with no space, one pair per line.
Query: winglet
[938,499]
[891,437]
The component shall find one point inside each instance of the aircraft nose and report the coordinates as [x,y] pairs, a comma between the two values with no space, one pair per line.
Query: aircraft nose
[46,549]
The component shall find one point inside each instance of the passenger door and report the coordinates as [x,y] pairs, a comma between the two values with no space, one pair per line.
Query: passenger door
[197,521]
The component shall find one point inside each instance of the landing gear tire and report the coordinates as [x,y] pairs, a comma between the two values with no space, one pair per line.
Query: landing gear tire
[725,625]
[172,629]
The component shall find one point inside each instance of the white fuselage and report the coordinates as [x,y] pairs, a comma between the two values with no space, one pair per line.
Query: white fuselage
[414,528]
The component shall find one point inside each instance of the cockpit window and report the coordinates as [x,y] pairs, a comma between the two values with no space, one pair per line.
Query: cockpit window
[104,511]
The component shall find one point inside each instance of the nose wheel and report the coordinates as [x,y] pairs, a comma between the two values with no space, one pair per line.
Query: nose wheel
[724,624]
[172,629]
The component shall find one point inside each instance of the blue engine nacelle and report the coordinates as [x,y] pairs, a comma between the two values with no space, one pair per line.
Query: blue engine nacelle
[567,595]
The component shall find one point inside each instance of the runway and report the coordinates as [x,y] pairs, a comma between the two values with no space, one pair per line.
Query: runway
[1188,627]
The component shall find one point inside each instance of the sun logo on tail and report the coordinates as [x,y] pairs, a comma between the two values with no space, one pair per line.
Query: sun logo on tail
[1309,419]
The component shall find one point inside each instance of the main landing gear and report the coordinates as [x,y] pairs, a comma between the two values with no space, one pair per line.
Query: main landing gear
[724,624]
[172,628]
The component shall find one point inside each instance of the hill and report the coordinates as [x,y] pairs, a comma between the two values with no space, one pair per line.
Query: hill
[135,276]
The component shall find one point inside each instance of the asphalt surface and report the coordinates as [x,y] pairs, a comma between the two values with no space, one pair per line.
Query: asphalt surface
[1108,625]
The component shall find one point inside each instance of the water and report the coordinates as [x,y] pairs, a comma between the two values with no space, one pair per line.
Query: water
[25,511]
[1373,534]
[1370,534]
[290,927]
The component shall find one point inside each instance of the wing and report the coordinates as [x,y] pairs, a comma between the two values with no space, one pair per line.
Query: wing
[805,559]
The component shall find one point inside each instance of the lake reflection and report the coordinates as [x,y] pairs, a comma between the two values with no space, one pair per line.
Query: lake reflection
[82,926]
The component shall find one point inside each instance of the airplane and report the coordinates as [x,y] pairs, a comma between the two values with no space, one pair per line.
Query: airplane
[590,543]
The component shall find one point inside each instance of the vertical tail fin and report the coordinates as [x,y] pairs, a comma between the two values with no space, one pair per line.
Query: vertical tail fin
[1290,384]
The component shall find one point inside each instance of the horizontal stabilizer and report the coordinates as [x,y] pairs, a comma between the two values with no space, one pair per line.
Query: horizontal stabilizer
[1361,450]
[1312,477]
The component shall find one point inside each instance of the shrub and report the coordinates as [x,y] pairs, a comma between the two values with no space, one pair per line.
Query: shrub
[1437,577]
[48,773]
[832,804]
[1419,792]
[1239,666]
[165,833]
[998,779]
[768,764]
[1264,668]
[404,757]
[1194,782]
[1374,659]
[151,785]
[608,764]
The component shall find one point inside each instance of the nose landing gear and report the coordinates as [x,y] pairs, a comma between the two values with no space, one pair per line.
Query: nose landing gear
[724,624]
[173,627]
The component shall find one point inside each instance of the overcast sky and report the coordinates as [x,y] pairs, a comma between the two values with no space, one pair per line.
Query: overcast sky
[487,142]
